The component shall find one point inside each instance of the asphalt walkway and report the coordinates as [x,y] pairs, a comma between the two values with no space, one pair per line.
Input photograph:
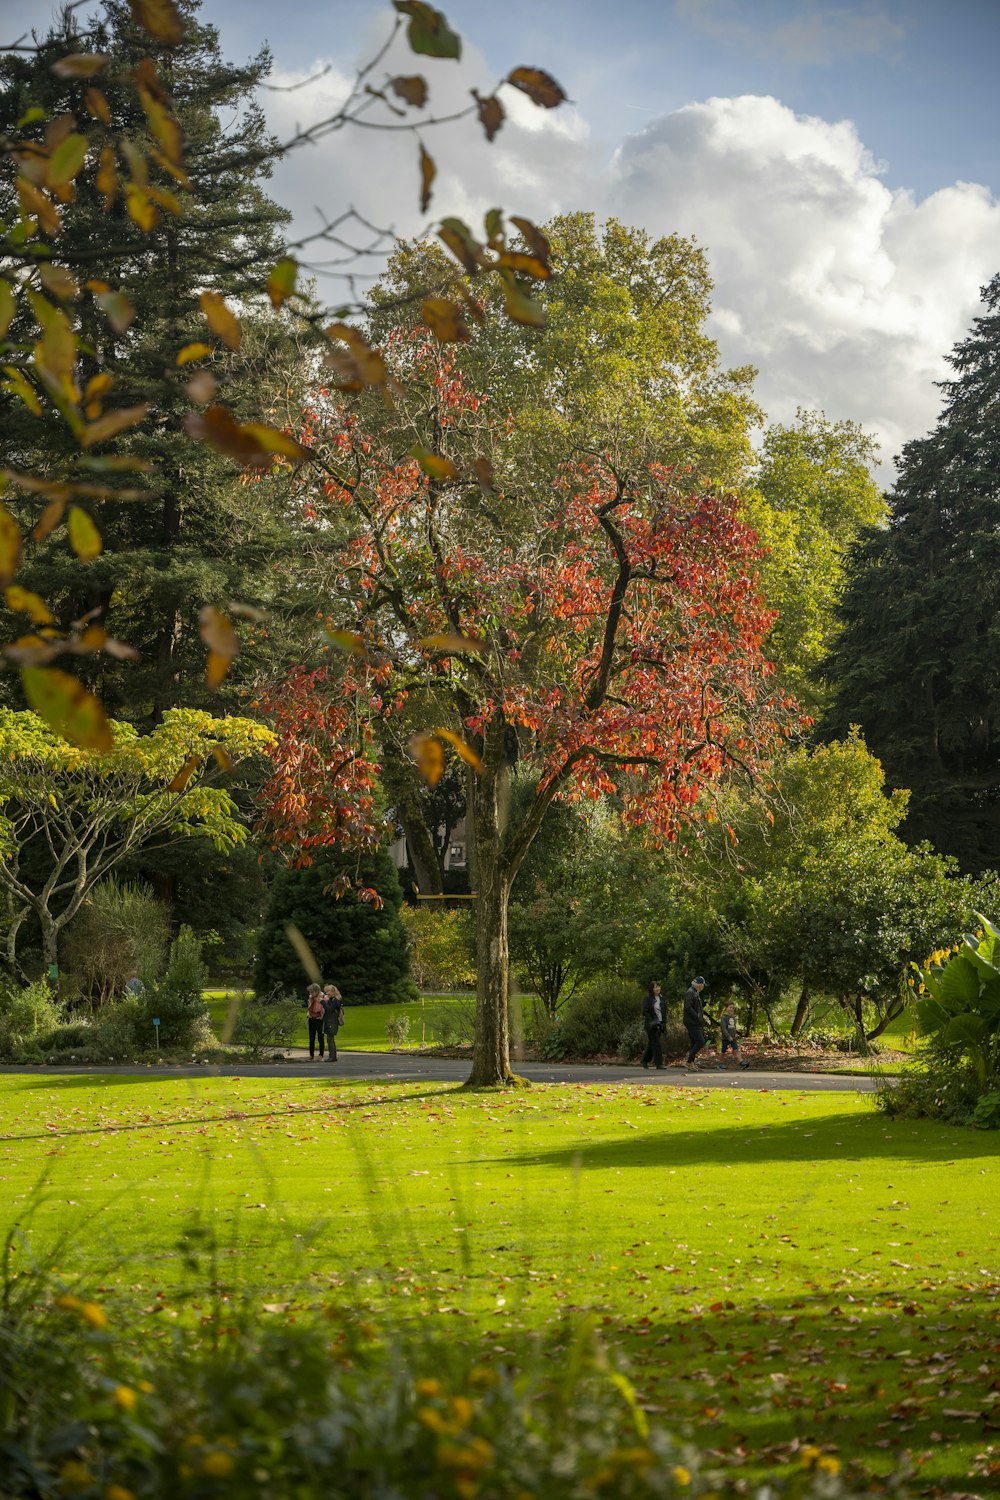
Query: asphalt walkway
[402,1067]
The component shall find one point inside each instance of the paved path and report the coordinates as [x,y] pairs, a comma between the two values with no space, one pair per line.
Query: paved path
[401,1067]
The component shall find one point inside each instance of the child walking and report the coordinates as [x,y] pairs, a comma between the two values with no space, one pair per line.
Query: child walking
[727,1025]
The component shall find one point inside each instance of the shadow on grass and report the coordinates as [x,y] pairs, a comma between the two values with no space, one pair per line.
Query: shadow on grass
[837,1138]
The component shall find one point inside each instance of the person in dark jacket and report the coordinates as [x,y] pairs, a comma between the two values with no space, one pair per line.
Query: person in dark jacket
[333,1017]
[652,1019]
[694,1019]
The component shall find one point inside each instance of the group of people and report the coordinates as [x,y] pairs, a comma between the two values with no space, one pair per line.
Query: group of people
[325,1014]
[695,1021]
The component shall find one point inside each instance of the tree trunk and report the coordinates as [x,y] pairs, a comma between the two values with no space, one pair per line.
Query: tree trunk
[801,1011]
[491,1052]
[895,1008]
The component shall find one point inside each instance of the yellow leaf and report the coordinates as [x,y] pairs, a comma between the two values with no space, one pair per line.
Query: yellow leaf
[166,199]
[428,754]
[52,799]
[28,603]
[434,464]
[48,520]
[221,321]
[160,18]
[529,265]
[281,281]
[446,320]
[533,238]
[55,355]
[490,112]
[18,386]
[155,103]
[462,243]
[219,636]
[35,204]
[465,751]
[461,645]
[191,352]
[80,65]
[363,365]
[141,207]
[67,707]
[107,177]
[66,160]
[223,758]
[540,87]
[184,775]
[112,423]
[58,281]
[97,105]
[347,640]
[84,537]
[519,306]
[428,172]
[8,306]
[250,444]
[97,386]
[10,546]
[411,88]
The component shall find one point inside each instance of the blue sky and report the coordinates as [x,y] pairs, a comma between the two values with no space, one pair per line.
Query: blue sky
[837,161]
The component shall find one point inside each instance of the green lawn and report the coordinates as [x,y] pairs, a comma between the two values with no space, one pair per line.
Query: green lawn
[364,1028]
[773,1266]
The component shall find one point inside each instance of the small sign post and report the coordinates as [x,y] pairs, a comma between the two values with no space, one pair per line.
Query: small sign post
[156,1023]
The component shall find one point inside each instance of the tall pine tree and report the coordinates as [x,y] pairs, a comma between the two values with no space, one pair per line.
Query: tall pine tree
[917,663]
[203,534]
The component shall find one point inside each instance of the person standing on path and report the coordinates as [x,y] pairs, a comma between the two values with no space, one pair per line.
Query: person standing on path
[314,1015]
[333,1017]
[694,1020]
[730,1041]
[652,1019]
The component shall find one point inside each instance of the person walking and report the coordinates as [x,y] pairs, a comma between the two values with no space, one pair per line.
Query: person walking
[652,1019]
[694,1020]
[314,1016]
[730,1040]
[333,1017]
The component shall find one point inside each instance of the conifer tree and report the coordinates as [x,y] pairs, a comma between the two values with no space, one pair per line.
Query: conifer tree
[917,664]
[201,533]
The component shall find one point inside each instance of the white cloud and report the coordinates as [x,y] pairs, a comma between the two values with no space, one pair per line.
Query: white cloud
[844,292]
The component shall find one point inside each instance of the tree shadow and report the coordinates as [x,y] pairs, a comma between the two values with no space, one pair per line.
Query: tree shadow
[836,1138]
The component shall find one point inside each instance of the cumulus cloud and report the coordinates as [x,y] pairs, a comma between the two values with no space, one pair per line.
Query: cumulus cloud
[844,292]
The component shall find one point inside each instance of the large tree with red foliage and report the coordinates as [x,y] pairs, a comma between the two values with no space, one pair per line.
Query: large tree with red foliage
[603,634]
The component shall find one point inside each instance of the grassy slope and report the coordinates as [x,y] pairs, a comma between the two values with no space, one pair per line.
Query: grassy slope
[774,1266]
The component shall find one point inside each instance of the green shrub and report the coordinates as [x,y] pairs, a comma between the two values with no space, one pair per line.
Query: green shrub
[177,998]
[934,1094]
[442,947]
[121,930]
[397,1029]
[451,1024]
[359,944]
[27,1016]
[121,1030]
[66,1038]
[263,1025]
[594,1021]
[337,1408]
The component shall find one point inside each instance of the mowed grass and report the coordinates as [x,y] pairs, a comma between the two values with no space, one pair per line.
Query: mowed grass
[364,1026]
[773,1267]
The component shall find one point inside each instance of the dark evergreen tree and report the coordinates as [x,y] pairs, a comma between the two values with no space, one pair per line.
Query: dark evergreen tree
[359,945]
[204,534]
[917,663]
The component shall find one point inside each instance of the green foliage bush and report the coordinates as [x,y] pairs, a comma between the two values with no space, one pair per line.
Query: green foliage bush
[121,1031]
[177,998]
[263,1025]
[358,945]
[594,1021]
[27,1016]
[121,930]
[245,1406]
[451,1024]
[397,1030]
[442,947]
